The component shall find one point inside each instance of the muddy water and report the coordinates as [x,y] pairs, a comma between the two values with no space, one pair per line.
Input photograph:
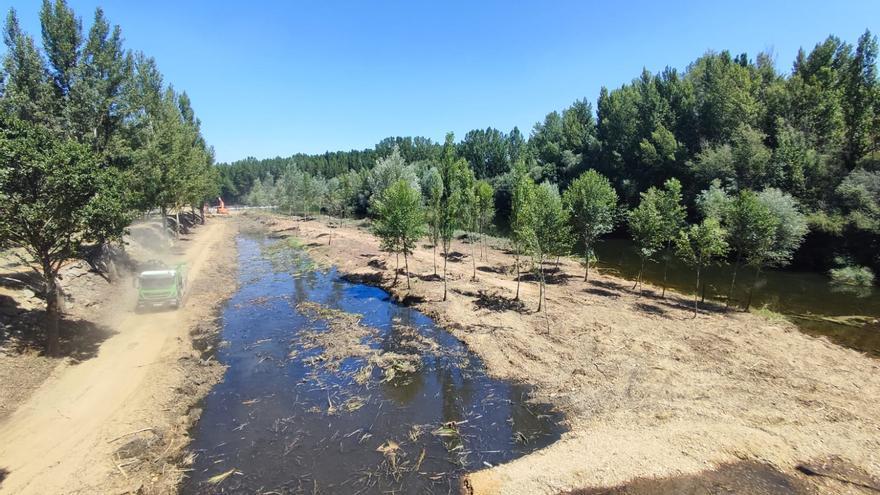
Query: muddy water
[286,421]
[804,297]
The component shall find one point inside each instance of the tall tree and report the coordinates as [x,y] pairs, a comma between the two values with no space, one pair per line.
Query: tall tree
[591,202]
[751,227]
[699,245]
[484,209]
[400,222]
[790,227]
[646,225]
[522,217]
[432,185]
[673,215]
[453,202]
[551,231]
[52,203]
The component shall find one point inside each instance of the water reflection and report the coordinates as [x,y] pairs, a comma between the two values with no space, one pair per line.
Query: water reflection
[278,422]
[783,291]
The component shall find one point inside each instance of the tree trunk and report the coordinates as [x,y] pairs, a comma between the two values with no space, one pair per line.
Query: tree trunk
[754,284]
[435,258]
[696,302]
[406,268]
[474,259]
[445,259]
[733,280]
[164,213]
[665,271]
[53,310]
[703,296]
[587,257]
[540,283]
[639,277]
[177,223]
[516,262]
[397,266]
[202,212]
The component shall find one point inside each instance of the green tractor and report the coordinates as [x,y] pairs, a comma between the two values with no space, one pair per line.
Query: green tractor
[161,286]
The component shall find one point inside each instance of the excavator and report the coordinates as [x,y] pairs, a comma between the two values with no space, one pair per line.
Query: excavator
[221,210]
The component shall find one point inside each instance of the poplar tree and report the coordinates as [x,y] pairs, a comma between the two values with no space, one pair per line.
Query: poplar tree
[673,215]
[484,210]
[750,228]
[592,206]
[647,228]
[522,217]
[433,187]
[400,222]
[551,231]
[698,246]
[453,201]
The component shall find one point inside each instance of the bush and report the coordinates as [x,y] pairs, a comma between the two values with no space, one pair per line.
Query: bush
[860,276]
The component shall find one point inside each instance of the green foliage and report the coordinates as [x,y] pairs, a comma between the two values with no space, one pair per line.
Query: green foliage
[699,245]
[551,235]
[751,227]
[811,133]
[714,202]
[646,224]
[790,226]
[453,212]
[88,135]
[591,203]
[400,220]
[859,194]
[702,243]
[857,276]
[388,170]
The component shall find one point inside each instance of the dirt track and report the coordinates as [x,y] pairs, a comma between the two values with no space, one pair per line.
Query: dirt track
[648,391]
[66,437]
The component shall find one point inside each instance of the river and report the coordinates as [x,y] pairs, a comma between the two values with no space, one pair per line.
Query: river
[804,297]
[294,417]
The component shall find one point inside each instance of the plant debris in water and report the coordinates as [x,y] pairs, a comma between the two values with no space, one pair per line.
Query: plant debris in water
[333,388]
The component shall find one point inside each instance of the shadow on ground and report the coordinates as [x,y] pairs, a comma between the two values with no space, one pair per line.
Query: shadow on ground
[750,478]
[25,332]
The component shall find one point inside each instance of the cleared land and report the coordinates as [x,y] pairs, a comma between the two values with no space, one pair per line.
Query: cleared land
[649,391]
[113,416]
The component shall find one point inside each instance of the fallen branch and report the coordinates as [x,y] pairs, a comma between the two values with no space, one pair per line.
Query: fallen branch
[130,433]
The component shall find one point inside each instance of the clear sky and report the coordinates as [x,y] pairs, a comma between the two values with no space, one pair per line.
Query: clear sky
[272,78]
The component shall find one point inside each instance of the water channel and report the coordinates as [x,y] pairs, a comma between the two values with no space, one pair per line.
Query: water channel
[287,418]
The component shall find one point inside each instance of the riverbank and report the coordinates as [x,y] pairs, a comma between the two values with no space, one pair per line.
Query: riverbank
[113,415]
[648,391]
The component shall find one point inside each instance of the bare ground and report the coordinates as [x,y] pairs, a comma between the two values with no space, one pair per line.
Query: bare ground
[112,416]
[649,392]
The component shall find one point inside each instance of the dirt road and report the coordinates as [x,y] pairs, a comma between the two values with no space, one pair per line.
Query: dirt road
[648,390]
[65,437]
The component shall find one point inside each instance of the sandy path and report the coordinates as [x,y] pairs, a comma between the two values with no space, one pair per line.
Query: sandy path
[59,440]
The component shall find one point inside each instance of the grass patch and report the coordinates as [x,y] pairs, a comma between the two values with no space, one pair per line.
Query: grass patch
[768,314]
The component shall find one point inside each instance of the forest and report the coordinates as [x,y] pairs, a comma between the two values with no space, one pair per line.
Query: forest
[90,137]
[726,127]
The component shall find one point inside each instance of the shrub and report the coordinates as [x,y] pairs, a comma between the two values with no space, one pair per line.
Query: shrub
[860,276]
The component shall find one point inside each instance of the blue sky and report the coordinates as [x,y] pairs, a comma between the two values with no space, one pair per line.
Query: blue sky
[276,78]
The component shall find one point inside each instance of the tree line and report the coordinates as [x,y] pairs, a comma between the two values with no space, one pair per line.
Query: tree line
[90,135]
[728,122]
[761,229]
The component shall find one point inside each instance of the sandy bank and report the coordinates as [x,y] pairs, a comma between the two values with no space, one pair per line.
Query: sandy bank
[648,390]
